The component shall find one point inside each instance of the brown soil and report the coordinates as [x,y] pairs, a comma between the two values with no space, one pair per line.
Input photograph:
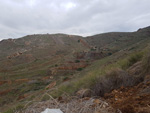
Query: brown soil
[131,99]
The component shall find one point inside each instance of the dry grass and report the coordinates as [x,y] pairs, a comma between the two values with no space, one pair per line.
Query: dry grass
[146,63]
[70,104]
[113,80]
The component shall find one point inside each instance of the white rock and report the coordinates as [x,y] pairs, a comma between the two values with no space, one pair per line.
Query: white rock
[52,111]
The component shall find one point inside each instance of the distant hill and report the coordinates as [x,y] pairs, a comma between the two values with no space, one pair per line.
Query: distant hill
[118,39]
[33,47]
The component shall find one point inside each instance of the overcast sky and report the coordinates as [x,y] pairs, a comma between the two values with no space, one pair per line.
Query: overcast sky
[81,17]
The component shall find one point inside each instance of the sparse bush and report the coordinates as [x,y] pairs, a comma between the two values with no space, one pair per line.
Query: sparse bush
[56,65]
[112,80]
[109,54]
[87,61]
[65,78]
[77,61]
[79,69]
[92,49]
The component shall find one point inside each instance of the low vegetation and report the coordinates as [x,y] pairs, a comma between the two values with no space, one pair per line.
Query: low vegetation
[104,78]
[112,80]
[146,63]
[25,75]
[133,58]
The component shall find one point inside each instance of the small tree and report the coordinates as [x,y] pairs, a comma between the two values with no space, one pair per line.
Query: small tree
[77,61]
[79,69]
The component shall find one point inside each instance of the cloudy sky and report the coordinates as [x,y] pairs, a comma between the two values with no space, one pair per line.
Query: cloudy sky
[82,17]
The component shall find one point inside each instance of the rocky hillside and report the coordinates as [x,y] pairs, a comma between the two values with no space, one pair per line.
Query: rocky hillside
[34,47]
[37,64]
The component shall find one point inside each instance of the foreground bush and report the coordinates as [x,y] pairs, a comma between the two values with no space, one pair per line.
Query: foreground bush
[113,80]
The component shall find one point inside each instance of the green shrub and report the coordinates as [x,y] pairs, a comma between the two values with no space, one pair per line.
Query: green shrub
[87,61]
[56,65]
[131,60]
[79,69]
[65,78]
[77,61]
[93,49]
[109,54]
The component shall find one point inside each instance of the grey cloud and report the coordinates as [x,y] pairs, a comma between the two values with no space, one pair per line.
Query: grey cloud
[82,17]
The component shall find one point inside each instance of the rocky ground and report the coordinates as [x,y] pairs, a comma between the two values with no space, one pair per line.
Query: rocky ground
[131,99]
